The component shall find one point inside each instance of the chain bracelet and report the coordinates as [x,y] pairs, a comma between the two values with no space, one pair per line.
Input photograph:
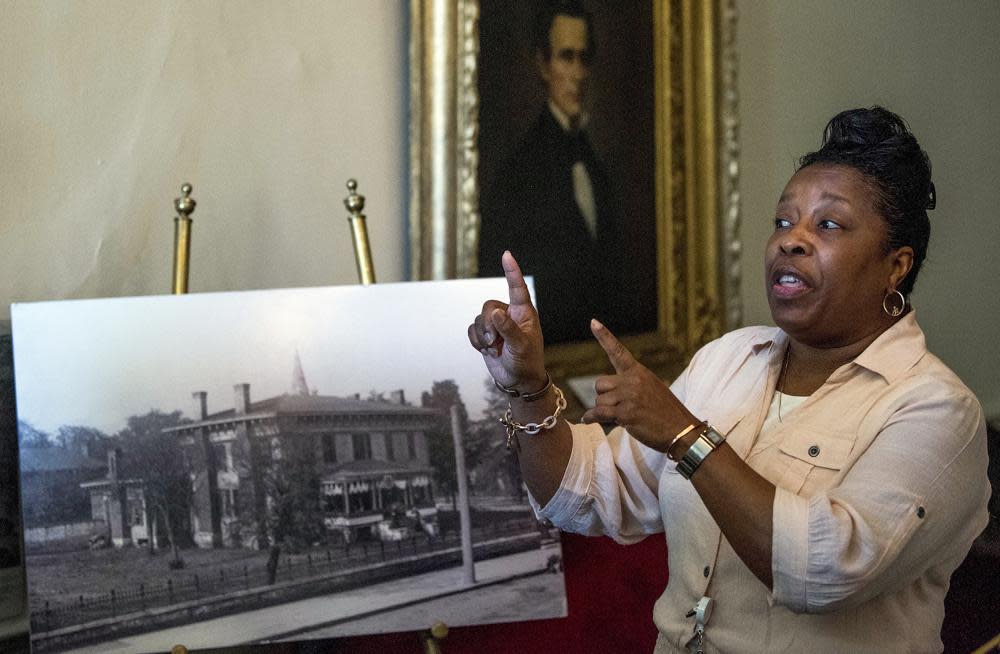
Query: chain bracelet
[532,428]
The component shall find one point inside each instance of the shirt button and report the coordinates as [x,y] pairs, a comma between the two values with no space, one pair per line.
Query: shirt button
[920,512]
[707,570]
[814,450]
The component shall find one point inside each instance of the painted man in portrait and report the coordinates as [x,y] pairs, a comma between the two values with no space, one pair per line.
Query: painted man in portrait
[550,204]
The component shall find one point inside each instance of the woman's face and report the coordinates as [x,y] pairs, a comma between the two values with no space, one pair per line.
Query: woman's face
[827,265]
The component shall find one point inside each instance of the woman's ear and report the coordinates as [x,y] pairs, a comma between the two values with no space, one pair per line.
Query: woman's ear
[901,261]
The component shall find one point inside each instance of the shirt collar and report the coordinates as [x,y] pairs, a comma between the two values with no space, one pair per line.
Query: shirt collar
[895,351]
[767,339]
[564,121]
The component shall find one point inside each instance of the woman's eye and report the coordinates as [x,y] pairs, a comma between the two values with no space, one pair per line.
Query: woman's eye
[829,224]
[780,223]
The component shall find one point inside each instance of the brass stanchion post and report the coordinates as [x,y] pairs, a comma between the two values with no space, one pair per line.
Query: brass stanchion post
[359,233]
[182,251]
[438,631]
[182,239]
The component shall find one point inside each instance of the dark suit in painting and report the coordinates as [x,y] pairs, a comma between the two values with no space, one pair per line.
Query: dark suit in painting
[532,211]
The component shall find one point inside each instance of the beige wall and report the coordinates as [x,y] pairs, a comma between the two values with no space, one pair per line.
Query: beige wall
[265,107]
[932,62]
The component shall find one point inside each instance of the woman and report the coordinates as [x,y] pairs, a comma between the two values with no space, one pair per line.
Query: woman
[818,482]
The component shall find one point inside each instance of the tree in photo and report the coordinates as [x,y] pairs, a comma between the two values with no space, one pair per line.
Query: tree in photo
[497,472]
[292,483]
[442,396]
[156,459]
[29,436]
[88,441]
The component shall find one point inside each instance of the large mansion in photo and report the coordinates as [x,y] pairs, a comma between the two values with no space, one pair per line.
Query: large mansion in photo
[369,457]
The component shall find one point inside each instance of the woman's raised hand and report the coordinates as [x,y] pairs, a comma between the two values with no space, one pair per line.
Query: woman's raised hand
[509,336]
[635,398]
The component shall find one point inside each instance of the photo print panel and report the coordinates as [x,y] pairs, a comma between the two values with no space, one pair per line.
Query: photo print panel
[223,469]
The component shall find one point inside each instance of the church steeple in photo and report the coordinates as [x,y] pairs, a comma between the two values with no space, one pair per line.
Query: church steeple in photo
[299,385]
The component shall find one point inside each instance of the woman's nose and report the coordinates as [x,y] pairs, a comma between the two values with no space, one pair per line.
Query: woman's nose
[791,247]
[795,241]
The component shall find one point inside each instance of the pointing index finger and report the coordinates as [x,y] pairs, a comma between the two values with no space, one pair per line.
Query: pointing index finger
[515,280]
[617,353]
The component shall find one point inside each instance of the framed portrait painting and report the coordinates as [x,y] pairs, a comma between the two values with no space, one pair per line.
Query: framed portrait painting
[596,142]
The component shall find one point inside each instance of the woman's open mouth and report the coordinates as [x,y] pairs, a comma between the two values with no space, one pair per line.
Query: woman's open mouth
[788,285]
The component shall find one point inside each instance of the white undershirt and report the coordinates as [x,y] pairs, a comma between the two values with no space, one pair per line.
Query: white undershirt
[788,404]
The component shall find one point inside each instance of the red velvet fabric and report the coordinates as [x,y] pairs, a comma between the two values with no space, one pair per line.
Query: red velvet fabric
[610,589]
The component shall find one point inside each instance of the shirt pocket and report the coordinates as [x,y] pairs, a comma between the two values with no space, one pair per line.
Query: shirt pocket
[812,460]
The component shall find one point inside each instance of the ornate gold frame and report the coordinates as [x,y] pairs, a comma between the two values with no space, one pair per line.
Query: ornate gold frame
[697,202]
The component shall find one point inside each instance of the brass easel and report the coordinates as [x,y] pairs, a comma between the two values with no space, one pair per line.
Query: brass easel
[366,274]
[437,632]
[359,233]
[182,238]
[184,205]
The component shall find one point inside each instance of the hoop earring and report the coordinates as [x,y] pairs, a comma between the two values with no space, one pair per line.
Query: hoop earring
[895,311]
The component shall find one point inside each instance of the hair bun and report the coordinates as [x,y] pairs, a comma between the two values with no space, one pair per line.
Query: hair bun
[864,127]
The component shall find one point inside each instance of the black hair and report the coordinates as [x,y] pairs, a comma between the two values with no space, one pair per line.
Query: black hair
[878,144]
[546,16]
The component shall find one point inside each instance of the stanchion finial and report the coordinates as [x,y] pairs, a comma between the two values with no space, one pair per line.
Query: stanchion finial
[185,204]
[355,204]
[431,637]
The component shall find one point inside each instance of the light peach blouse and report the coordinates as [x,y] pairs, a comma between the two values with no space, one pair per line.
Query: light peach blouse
[881,489]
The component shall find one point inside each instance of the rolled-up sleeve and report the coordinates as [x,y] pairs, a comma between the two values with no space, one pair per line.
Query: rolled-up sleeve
[609,487]
[914,499]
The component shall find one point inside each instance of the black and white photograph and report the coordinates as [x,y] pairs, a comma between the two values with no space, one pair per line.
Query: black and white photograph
[223,469]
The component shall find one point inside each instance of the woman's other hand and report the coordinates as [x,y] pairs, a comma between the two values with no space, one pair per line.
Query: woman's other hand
[509,336]
[635,398]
